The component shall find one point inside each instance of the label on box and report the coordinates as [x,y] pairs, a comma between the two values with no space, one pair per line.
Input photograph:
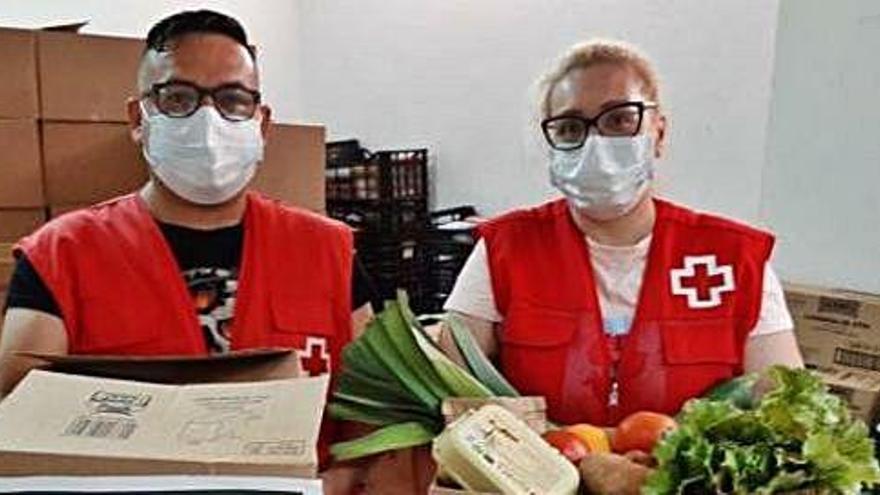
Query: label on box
[859,390]
[836,328]
[271,422]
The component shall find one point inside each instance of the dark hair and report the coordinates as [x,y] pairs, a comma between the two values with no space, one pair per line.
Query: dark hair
[170,29]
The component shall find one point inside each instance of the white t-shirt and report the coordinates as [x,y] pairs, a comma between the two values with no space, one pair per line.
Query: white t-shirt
[618,273]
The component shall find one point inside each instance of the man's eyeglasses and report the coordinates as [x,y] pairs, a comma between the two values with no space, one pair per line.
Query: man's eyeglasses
[180,99]
[569,132]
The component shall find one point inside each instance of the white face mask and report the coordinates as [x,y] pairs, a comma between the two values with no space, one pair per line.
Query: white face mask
[202,158]
[607,177]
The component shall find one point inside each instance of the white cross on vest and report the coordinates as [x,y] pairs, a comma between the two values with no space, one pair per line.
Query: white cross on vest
[701,281]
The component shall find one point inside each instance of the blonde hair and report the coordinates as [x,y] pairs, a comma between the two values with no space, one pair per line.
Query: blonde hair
[595,52]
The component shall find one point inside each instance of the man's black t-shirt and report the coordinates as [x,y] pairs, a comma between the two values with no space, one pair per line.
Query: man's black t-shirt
[208,261]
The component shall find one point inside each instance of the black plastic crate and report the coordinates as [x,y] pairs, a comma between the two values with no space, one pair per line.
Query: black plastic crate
[403,173]
[384,176]
[455,214]
[392,263]
[446,251]
[345,153]
[401,217]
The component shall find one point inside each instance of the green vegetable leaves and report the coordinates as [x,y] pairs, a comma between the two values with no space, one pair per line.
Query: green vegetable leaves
[395,377]
[798,436]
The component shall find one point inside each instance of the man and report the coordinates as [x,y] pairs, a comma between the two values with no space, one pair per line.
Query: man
[194,262]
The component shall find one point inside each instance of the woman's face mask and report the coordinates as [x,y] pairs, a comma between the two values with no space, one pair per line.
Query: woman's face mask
[607,177]
[202,158]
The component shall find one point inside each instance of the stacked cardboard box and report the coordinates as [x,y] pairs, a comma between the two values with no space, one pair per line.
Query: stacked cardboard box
[839,336]
[65,138]
[21,180]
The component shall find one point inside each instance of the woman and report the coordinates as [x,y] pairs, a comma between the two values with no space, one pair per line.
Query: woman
[611,300]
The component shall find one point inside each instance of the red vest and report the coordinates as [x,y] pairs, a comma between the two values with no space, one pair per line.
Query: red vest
[121,291]
[700,298]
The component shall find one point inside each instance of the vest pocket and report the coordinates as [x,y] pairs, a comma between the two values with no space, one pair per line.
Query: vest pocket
[295,319]
[535,348]
[106,330]
[700,342]
[698,355]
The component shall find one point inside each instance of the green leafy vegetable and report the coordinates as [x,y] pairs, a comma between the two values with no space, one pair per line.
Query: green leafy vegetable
[477,361]
[798,436]
[398,436]
[395,377]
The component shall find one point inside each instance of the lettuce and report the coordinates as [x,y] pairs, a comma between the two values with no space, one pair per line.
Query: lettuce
[798,436]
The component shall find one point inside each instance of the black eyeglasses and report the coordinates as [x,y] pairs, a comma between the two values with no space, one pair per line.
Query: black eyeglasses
[181,99]
[569,132]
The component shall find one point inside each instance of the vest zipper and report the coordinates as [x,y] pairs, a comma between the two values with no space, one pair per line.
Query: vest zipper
[614,391]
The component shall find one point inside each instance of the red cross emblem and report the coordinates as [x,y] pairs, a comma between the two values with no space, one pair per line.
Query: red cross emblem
[702,281]
[314,358]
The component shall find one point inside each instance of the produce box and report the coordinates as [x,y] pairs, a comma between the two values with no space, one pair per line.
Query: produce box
[836,328]
[491,449]
[531,410]
[248,419]
[860,390]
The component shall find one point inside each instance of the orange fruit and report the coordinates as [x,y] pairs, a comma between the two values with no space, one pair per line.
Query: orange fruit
[641,431]
[593,437]
[567,443]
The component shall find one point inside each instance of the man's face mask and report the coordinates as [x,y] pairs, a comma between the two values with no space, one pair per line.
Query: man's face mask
[201,156]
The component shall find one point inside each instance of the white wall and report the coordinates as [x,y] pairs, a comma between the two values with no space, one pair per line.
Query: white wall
[454,75]
[822,178]
[271,24]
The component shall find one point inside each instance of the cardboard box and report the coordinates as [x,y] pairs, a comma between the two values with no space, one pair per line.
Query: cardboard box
[531,410]
[58,210]
[860,390]
[293,166]
[89,162]
[437,489]
[7,265]
[21,176]
[836,328]
[85,77]
[18,93]
[17,223]
[56,423]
